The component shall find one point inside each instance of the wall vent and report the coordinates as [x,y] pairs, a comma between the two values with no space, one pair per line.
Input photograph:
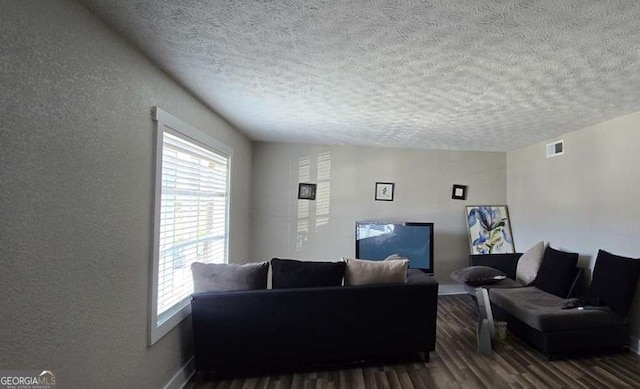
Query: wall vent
[556,148]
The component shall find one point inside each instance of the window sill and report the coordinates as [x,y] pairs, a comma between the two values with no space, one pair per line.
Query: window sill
[168,320]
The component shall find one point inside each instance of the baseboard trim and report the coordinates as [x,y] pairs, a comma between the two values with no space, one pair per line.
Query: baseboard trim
[449,289]
[634,345]
[183,375]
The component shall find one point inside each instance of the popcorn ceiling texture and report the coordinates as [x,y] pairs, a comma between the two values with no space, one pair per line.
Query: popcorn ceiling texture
[476,75]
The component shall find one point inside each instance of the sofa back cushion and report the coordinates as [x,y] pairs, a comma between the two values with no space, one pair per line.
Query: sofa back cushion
[290,273]
[210,277]
[365,272]
[529,264]
[557,272]
[614,281]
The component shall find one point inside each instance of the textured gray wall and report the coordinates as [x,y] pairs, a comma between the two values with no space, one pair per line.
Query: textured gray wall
[423,179]
[76,166]
[584,200]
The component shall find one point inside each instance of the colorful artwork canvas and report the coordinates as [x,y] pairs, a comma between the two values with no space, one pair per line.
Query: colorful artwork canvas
[489,229]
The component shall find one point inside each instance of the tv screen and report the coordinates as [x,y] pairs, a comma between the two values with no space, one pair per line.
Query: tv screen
[378,240]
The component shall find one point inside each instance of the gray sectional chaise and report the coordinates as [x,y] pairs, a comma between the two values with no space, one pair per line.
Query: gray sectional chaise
[537,316]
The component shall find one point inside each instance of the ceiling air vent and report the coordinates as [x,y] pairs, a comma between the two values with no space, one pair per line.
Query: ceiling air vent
[554,149]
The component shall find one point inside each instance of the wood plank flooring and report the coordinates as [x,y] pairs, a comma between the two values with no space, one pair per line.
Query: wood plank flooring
[456,364]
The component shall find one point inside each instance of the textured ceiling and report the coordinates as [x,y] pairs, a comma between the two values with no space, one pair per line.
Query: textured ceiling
[451,74]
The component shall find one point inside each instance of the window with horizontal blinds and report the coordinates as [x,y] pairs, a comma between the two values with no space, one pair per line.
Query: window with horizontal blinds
[190,216]
[193,212]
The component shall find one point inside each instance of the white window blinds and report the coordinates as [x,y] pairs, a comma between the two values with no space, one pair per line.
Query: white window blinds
[193,213]
[191,216]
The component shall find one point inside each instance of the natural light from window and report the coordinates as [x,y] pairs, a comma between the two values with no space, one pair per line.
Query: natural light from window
[190,216]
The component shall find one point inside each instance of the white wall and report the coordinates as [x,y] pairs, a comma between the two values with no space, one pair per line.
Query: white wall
[325,229]
[76,167]
[584,200]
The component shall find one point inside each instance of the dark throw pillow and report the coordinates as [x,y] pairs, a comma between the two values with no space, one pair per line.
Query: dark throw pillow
[290,273]
[614,281]
[210,277]
[557,272]
[478,275]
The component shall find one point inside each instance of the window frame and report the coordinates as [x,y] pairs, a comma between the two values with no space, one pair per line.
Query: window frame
[165,122]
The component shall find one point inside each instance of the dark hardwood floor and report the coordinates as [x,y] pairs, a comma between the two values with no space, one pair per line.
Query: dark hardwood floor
[456,364]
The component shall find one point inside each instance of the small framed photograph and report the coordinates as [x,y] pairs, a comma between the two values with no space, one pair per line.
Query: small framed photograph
[459,192]
[384,191]
[306,191]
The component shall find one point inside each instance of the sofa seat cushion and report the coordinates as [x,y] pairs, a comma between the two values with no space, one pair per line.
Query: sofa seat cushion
[543,311]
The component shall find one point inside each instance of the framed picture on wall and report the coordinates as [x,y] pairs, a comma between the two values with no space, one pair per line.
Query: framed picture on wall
[459,192]
[384,191]
[306,191]
[489,229]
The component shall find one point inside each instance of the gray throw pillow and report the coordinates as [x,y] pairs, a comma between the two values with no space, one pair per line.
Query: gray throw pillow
[364,272]
[478,275]
[529,264]
[210,277]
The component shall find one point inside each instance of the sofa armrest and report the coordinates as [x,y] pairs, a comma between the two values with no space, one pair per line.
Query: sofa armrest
[506,263]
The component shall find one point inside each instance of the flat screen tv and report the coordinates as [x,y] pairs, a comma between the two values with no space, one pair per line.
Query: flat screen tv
[378,240]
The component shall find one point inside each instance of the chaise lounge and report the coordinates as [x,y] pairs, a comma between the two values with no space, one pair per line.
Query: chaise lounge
[540,313]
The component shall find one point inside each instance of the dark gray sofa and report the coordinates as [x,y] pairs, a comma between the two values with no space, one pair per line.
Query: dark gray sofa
[538,318]
[298,327]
